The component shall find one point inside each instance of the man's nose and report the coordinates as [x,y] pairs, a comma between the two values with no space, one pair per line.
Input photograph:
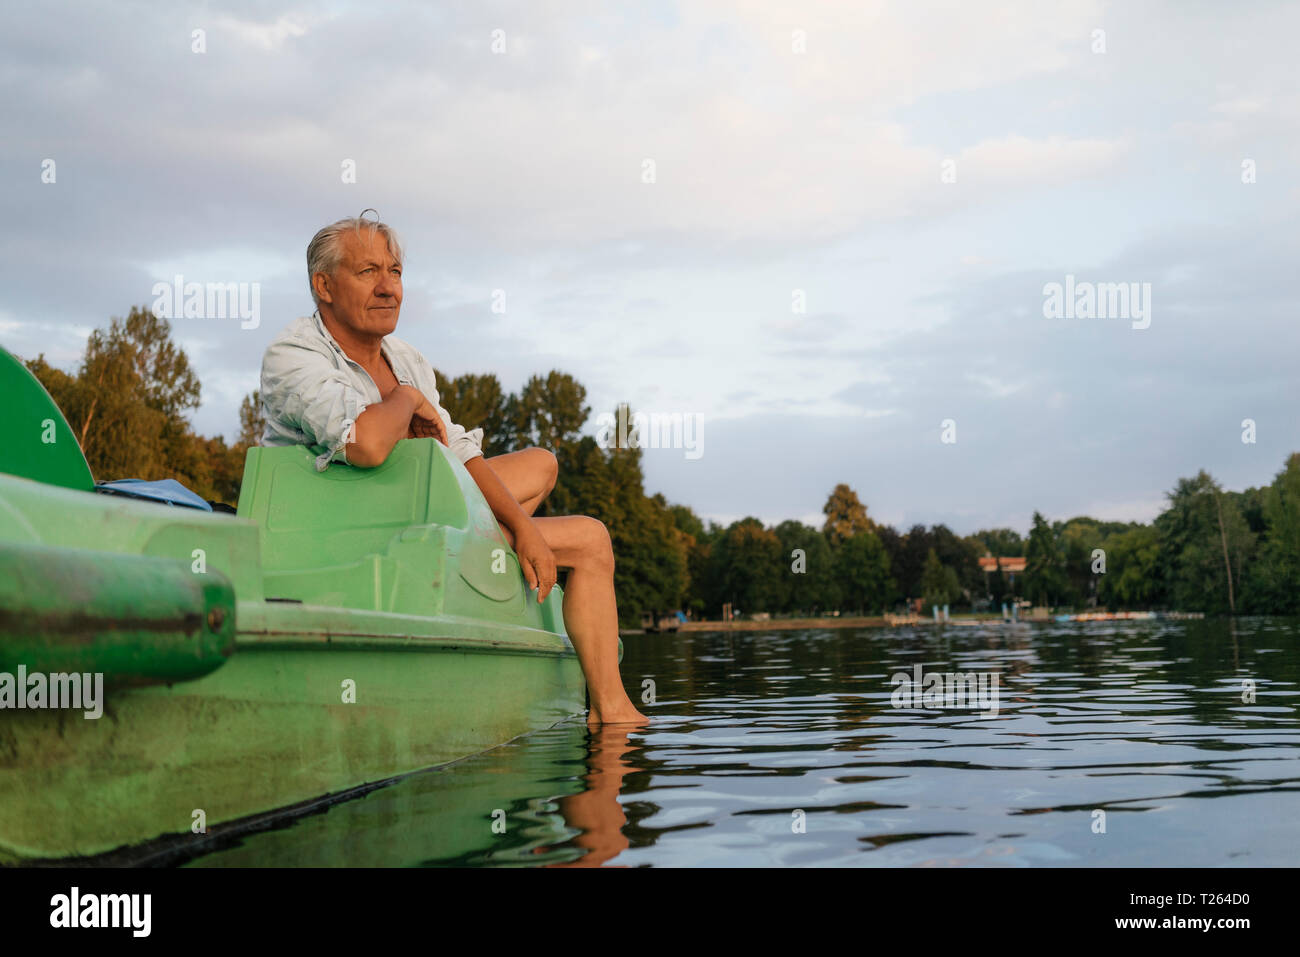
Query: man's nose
[388,285]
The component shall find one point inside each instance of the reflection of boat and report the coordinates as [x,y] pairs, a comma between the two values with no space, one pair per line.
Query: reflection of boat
[550,799]
[501,807]
[346,627]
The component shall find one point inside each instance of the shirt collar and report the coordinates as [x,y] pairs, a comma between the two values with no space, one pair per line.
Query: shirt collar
[402,378]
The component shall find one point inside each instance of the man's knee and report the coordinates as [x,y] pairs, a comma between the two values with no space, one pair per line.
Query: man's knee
[596,544]
[549,467]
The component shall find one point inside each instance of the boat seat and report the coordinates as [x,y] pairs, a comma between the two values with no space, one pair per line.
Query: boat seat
[377,538]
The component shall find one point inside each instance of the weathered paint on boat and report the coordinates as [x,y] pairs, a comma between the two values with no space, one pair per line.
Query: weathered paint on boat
[381,625]
[135,619]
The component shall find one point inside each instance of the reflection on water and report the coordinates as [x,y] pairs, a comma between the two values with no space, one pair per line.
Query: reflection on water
[783,748]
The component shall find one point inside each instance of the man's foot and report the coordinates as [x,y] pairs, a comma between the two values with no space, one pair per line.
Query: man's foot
[623,715]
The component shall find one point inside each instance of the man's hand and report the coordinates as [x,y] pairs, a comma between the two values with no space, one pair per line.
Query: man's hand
[405,413]
[426,423]
[536,559]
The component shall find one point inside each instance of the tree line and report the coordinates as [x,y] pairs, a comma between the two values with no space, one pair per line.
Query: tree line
[1211,550]
[128,403]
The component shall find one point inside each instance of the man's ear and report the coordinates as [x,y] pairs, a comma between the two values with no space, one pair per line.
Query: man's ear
[321,283]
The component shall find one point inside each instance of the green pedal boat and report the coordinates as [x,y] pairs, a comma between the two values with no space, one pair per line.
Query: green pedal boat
[344,628]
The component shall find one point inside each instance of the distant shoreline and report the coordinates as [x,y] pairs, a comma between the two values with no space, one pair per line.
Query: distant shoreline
[845,621]
[777,624]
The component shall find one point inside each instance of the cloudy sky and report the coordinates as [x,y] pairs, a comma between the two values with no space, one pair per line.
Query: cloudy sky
[821,229]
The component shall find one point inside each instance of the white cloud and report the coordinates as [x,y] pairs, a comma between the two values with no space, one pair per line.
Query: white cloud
[994,386]
[266,36]
[1240,105]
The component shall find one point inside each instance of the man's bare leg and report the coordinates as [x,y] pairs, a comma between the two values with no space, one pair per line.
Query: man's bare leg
[529,474]
[582,545]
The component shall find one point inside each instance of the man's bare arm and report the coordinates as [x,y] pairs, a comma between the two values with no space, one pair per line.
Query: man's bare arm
[382,426]
[535,556]
[508,511]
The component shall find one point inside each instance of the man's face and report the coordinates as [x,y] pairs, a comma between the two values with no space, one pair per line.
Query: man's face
[365,292]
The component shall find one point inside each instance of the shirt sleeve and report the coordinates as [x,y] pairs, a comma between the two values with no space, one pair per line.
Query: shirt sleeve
[304,392]
[464,443]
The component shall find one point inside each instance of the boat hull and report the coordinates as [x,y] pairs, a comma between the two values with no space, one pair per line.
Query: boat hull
[345,628]
[275,726]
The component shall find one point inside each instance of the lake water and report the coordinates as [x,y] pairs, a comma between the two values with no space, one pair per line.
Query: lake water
[784,748]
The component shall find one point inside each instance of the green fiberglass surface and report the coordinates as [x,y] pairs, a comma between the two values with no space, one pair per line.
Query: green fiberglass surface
[413,536]
[344,627]
[39,443]
[407,554]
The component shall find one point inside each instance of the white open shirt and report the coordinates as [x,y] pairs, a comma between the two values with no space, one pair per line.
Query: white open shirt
[312,392]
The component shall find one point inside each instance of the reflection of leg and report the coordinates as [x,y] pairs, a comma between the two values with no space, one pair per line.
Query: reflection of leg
[596,811]
[582,545]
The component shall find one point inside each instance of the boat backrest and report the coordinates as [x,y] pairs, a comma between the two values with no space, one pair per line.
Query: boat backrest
[39,444]
[373,538]
[321,518]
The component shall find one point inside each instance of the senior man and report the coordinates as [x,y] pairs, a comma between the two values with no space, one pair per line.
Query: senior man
[341,383]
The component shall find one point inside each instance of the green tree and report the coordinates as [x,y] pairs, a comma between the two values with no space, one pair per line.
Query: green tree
[1002,542]
[845,515]
[909,561]
[1045,580]
[810,570]
[252,420]
[1077,539]
[748,567]
[477,401]
[548,412]
[960,555]
[998,590]
[864,580]
[1206,545]
[939,583]
[1274,586]
[1133,578]
[696,539]
[128,402]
